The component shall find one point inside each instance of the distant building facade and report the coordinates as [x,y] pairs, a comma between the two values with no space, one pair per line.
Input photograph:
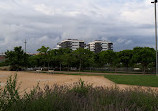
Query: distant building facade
[73,44]
[99,45]
[2,57]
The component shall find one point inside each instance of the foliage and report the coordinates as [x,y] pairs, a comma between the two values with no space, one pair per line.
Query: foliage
[80,88]
[125,57]
[43,54]
[108,57]
[43,50]
[3,64]
[17,58]
[64,58]
[79,97]
[143,55]
[83,58]
[9,94]
[34,61]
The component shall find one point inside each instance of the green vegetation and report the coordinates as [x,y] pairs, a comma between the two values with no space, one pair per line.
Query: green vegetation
[126,57]
[63,59]
[79,97]
[141,80]
[144,56]
[17,59]
[141,58]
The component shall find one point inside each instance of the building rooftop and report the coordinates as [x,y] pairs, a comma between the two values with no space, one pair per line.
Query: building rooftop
[99,41]
[73,40]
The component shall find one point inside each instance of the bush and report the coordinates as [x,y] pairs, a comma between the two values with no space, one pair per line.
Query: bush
[77,97]
[80,88]
[9,94]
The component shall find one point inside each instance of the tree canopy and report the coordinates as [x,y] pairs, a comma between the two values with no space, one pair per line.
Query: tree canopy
[144,56]
[17,58]
[82,58]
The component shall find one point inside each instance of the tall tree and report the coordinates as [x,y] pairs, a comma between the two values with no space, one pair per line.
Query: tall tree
[62,56]
[17,58]
[125,57]
[34,61]
[108,58]
[43,53]
[144,56]
[83,58]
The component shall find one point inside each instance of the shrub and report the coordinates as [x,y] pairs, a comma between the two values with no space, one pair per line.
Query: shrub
[77,97]
[80,88]
[9,94]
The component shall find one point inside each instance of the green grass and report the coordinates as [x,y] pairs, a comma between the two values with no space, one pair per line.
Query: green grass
[141,80]
[76,97]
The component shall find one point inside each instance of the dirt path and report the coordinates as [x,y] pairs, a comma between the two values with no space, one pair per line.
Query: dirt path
[91,73]
[28,80]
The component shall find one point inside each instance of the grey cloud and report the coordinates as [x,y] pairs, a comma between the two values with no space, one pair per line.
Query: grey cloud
[47,22]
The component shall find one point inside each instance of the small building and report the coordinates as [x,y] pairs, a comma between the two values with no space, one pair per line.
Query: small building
[2,57]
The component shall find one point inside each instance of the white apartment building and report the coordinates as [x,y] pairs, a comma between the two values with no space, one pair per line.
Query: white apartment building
[99,45]
[73,44]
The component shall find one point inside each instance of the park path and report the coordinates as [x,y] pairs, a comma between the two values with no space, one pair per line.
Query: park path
[30,79]
[91,73]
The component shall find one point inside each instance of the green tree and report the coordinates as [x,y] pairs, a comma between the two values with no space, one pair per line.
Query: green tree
[34,61]
[83,58]
[108,57]
[125,57]
[43,54]
[17,58]
[52,57]
[143,55]
[62,56]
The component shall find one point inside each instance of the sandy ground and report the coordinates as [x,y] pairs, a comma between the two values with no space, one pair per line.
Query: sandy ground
[29,80]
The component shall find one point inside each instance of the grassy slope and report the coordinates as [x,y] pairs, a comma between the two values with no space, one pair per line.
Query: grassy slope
[141,80]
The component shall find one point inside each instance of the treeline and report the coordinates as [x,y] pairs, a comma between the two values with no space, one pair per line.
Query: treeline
[142,57]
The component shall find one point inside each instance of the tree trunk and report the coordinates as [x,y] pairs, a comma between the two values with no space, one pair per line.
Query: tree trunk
[60,66]
[144,70]
[80,66]
[126,69]
[44,63]
[68,67]
[115,69]
[48,65]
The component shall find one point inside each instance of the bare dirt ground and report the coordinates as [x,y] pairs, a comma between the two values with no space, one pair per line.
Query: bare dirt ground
[28,80]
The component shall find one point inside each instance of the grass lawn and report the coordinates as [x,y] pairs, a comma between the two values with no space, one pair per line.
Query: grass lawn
[141,80]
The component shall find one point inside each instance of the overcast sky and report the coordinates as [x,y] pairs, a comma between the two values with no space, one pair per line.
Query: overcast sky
[126,23]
